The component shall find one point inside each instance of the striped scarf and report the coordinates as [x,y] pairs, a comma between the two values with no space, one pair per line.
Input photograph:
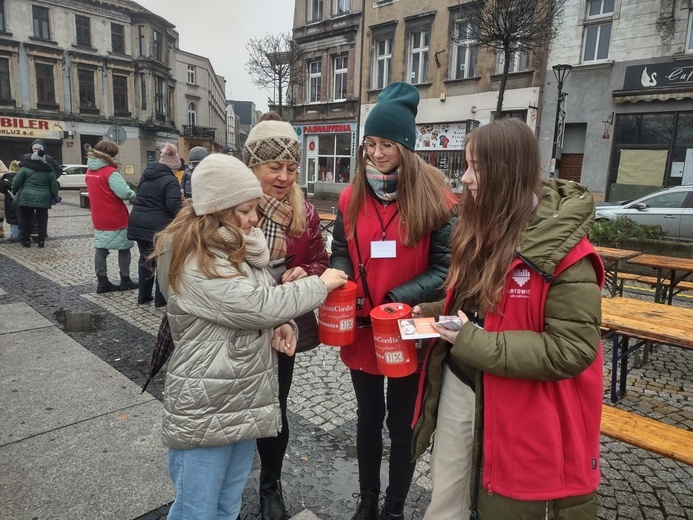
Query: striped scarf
[384,184]
[275,218]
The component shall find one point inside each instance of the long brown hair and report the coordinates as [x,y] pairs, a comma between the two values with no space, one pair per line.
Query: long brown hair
[490,228]
[423,195]
[298,221]
[194,237]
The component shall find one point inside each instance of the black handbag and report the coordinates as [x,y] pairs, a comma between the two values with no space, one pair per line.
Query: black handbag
[307,332]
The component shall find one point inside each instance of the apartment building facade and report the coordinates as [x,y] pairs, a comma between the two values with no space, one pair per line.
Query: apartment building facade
[628,113]
[72,71]
[200,104]
[417,41]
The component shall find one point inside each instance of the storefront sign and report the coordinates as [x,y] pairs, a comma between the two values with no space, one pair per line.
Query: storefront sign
[659,75]
[30,128]
[444,136]
[341,128]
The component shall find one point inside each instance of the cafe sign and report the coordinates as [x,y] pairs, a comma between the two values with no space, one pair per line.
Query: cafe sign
[30,128]
[659,75]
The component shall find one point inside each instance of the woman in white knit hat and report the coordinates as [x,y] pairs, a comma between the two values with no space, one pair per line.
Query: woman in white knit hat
[226,315]
[292,228]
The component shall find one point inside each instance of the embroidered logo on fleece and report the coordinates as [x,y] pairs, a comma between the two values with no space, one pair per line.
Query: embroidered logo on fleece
[520,276]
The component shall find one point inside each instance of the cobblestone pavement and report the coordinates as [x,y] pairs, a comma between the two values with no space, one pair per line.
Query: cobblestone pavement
[320,468]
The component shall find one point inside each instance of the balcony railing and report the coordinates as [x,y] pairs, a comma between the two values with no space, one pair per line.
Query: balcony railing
[198,131]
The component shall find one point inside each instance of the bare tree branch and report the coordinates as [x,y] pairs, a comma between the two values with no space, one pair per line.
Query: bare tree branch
[272,63]
[508,27]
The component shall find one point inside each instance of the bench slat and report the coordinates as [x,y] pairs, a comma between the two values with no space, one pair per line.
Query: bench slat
[648,434]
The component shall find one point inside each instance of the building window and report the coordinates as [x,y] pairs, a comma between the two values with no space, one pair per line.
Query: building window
[83,31]
[192,114]
[45,84]
[340,78]
[118,38]
[120,95]
[419,41]
[342,6]
[86,88]
[382,63]
[159,97]
[156,46]
[143,92]
[519,62]
[314,81]
[314,10]
[464,50]
[2,15]
[689,34]
[5,90]
[192,79]
[41,26]
[597,35]
[141,40]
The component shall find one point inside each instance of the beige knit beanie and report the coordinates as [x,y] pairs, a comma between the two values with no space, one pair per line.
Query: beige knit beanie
[271,141]
[221,182]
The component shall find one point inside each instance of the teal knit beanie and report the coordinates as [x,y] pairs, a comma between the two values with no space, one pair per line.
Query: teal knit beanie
[394,115]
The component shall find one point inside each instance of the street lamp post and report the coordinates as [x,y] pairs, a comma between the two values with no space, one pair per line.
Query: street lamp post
[561,71]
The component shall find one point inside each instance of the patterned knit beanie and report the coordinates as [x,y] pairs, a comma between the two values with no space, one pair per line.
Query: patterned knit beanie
[169,157]
[271,141]
[222,182]
[394,115]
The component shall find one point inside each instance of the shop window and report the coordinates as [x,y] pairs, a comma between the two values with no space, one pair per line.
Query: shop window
[597,32]
[340,78]
[419,41]
[118,38]
[120,95]
[314,81]
[83,31]
[5,89]
[382,62]
[689,33]
[463,51]
[45,85]
[192,75]
[41,23]
[314,10]
[684,128]
[192,114]
[334,158]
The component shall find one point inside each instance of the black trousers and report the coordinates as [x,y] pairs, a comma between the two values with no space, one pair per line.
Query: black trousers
[373,401]
[146,270]
[27,214]
[272,449]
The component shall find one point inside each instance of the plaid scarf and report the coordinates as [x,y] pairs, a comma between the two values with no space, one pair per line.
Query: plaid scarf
[275,218]
[384,184]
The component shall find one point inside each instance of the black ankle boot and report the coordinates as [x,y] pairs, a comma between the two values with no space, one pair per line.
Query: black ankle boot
[367,505]
[126,284]
[271,500]
[105,285]
[392,509]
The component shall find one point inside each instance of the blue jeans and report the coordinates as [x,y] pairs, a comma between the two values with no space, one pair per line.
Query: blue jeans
[209,482]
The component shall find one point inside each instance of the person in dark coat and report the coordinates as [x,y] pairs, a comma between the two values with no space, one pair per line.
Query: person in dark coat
[34,188]
[10,210]
[158,200]
[39,145]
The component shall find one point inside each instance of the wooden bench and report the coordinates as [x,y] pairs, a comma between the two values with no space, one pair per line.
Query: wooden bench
[651,281]
[648,434]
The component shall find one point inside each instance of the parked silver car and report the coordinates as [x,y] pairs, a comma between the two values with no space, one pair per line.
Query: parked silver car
[671,208]
[73,176]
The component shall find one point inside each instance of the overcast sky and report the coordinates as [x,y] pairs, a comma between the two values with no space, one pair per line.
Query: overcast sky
[219,30]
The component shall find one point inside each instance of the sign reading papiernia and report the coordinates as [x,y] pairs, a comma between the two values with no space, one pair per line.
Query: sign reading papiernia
[30,128]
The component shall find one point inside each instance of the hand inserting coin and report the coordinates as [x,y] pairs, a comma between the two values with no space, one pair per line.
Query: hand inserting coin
[284,339]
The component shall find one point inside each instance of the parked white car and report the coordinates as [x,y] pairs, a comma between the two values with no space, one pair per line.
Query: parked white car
[671,208]
[73,176]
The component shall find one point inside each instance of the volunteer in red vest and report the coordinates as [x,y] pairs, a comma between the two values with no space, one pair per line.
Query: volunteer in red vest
[109,215]
[515,395]
[391,237]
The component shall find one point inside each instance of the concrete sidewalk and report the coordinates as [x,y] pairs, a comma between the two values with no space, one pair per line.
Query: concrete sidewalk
[78,440]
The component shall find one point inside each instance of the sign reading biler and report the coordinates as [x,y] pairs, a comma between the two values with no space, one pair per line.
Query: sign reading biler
[30,128]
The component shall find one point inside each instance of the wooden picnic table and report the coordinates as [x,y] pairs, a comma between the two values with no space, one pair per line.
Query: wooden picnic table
[626,319]
[327,221]
[670,268]
[612,258]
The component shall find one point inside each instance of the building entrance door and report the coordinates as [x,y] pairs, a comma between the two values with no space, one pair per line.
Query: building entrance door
[571,167]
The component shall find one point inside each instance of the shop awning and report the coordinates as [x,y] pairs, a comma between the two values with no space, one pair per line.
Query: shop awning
[633,96]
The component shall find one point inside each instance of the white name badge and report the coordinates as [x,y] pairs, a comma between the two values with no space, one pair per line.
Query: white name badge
[384,249]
